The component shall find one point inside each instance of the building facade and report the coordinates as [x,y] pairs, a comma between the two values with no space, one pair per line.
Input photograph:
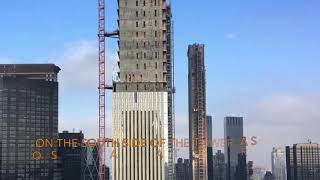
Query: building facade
[209,148]
[142,99]
[70,155]
[235,152]
[90,163]
[303,162]
[197,112]
[28,112]
[183,169]
[278,164]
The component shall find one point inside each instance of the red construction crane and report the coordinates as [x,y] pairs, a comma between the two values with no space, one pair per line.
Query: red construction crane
[102,86]
[102,129]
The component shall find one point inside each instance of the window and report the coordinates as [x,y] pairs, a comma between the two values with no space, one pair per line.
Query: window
[137,45]
[155,13]
[141,77]
[144,3]
[144,24]
[137,34]
[137,24]
[156,77]
[156,34]
[144,55]
[155,23]
[137,13]
[144,44]
[156,65]
[137,55]
[145,66]
[144,34]
[137,3]
[137,66]
[144,13]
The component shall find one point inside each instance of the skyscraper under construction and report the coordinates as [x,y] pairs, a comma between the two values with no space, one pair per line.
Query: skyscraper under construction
[142,106]
[197,112]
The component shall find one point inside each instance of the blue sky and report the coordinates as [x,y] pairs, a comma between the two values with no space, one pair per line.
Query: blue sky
[262,60]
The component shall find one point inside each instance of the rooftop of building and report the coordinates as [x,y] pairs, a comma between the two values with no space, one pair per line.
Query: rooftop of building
[29,69]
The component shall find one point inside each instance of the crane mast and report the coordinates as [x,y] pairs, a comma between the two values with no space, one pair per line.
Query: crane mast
[102,129]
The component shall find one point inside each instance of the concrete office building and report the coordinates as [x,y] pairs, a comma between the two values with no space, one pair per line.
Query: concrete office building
[234,151]
[28,111]
[142,101]
[197,112]
[303,161]
[278,163]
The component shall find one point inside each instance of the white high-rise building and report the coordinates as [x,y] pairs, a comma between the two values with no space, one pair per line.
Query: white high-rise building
[142,107]
[278,164]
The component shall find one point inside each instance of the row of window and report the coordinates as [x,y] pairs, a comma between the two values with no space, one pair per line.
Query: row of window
[144,13]
[152,2]
[144,25]
[155,34]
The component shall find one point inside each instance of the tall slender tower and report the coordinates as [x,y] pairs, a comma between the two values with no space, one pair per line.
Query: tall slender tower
[235,151]
[143,98]
[197,112]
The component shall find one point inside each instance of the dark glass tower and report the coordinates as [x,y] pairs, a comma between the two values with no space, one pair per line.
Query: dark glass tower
[235,152]
[209,148]
[183,169]
[70,155]
[28,111]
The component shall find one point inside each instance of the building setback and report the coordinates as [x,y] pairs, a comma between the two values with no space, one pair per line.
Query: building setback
[278,164]
[28,111]
[303,162]
[143,98]
[197,112]
[235,152]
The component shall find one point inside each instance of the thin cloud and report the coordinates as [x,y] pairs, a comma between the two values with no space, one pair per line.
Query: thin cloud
[79,64]
[230,36]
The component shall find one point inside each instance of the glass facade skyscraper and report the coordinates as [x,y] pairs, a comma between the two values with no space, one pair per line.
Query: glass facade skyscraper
[28,111]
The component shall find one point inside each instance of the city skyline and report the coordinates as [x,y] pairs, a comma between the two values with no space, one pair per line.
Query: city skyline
[284,63]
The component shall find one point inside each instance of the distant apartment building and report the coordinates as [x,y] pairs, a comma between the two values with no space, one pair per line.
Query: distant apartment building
[70,155]
[28,112]
[303,161]
[219,166]
[235,152]
[278,163]
[183,169]
[142,99]
[209,148]
[197,112]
